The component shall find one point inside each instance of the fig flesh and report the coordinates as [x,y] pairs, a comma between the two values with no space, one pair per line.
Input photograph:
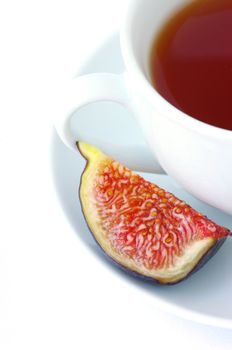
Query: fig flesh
[143,228]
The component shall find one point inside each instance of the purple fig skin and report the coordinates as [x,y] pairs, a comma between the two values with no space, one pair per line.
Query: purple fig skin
[208,255]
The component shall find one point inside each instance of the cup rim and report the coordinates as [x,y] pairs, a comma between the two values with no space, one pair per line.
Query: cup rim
[166,108]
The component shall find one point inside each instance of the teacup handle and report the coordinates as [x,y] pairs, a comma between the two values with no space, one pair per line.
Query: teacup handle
[101,87]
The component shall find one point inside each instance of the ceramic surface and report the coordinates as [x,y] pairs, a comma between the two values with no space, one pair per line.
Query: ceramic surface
[206,296]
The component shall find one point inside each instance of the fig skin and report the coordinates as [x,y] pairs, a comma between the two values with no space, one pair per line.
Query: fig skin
[201,263]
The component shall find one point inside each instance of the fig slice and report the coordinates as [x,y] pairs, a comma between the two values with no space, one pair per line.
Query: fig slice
[143,228]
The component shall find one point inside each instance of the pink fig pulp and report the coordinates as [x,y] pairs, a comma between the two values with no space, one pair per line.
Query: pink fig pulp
[142,227]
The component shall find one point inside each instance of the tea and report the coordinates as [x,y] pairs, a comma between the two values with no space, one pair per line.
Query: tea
[191,61]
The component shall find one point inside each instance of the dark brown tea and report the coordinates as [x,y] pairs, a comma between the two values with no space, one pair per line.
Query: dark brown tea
[191,61]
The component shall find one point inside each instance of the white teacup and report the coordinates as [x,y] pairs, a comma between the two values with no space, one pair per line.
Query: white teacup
[197,155]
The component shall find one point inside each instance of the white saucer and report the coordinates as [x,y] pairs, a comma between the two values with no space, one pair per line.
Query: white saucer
[206,296]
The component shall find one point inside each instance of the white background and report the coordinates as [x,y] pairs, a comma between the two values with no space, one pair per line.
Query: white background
[54,294]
